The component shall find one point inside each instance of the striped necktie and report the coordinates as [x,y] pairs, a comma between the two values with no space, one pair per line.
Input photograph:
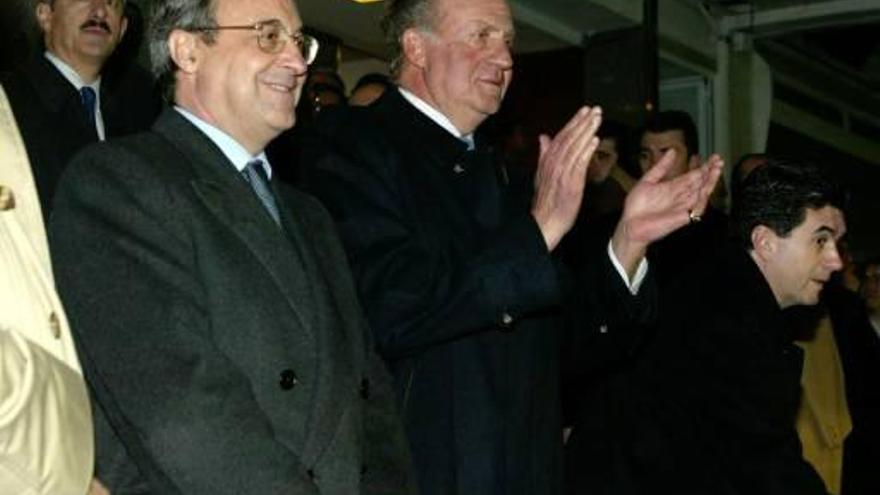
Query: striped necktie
[255,174]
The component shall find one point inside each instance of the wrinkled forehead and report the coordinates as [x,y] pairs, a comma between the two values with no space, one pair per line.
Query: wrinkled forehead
[453,14]
[252,11]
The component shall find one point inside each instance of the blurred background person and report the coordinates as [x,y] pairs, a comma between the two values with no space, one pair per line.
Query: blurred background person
[368,88]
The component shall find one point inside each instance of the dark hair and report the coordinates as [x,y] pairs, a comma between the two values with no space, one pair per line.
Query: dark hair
[166,16]
[401,15]
[778,194]
[675,120]
[372,78]
[738,176]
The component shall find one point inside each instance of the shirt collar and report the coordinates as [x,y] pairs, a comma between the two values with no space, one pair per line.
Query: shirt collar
[72,76]
[435,115]
[235,152]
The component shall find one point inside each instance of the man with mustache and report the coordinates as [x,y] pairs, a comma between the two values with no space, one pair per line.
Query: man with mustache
[66,96]
[217,320]
[452,250]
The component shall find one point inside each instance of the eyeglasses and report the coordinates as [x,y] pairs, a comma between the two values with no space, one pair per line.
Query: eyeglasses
[272,36]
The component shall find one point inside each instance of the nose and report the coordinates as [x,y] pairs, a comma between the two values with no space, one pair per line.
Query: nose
[833,261]
[501,55]
[292,57]
[100,7]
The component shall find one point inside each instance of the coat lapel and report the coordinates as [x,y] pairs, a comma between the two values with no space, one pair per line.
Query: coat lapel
[444,164]
[59,98]
[232,202]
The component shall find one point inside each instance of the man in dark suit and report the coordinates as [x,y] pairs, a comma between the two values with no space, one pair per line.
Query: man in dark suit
[711,407]
[48,92]
[218,323]
[453,263]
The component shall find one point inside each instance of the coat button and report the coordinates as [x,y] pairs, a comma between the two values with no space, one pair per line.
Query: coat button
[7,199]
[365,389]
[288,380]
[506,320]
[55,325]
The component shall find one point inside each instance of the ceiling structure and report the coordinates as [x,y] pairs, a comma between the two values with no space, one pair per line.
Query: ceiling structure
[841,35]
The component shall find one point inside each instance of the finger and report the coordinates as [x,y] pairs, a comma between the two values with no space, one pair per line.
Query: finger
[713,175]
[583,148]
[576,121]
[694,162]
[657,172]
[543,146]
[572,141]
[578,173]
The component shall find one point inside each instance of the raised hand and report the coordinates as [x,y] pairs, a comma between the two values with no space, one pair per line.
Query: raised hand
[561,174]
[656,207]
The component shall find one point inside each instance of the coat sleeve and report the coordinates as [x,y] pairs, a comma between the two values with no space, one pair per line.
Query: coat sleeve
[126,264]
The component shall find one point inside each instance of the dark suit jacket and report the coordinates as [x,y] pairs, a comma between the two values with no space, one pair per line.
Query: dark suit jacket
[50,115]
[226,355]
[460,291]
[710,408]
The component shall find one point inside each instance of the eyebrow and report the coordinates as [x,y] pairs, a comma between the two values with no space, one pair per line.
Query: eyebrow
[823,229]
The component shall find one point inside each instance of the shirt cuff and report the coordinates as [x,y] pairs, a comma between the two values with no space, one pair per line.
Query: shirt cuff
[641,272]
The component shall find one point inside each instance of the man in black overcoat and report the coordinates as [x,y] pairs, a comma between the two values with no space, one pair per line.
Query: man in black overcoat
[451,249]
[216,316]
[710,409]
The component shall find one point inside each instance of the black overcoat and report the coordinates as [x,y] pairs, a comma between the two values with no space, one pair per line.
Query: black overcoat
[461,293]
[710,408]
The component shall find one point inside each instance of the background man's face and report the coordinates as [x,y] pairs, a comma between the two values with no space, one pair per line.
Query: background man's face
[246,92]
[654,145]
[82,31]
[604,159]
[803,261]
[468,65]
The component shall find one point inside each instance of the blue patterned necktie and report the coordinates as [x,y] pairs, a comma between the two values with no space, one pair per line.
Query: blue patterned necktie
[255,174]
[89,99]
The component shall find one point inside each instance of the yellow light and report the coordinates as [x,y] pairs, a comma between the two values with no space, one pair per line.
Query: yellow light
[366,1]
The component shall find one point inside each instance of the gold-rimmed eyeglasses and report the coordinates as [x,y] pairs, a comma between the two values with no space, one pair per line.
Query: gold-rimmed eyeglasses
[272,36]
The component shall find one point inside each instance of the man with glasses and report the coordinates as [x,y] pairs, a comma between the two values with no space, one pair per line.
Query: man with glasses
[68,96]
[218,323]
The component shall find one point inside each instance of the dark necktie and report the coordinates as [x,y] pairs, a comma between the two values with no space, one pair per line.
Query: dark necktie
[89,98]
[255,174]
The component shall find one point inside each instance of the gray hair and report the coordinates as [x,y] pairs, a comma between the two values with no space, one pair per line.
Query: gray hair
[166,16]
[401,15]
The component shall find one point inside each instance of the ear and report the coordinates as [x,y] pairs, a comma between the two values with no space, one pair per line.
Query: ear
[185,50]
[764,241]
[413,43]
[123,26]
[44,16]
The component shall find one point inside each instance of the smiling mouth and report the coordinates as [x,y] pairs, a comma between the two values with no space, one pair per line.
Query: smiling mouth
[284,88]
